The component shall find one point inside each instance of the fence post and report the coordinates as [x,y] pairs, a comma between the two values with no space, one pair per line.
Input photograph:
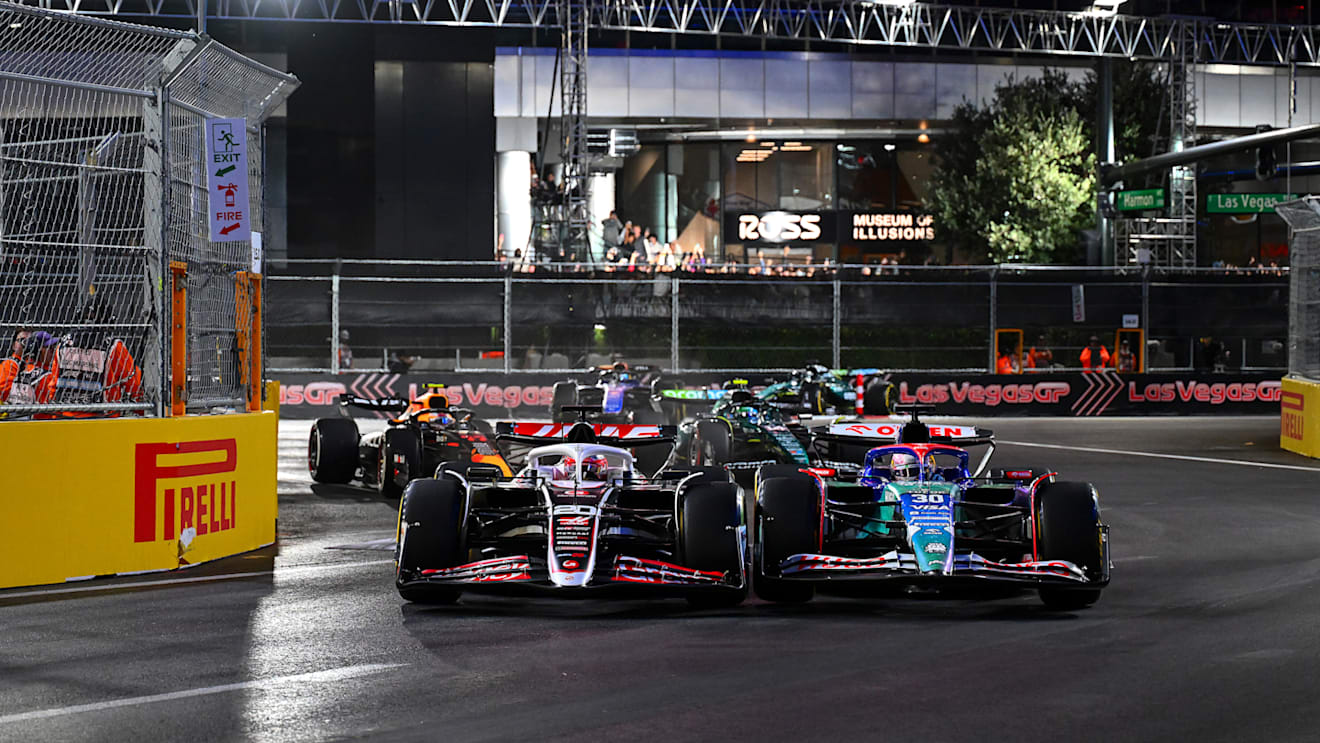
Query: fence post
[508,321]
[1145,313]
[334,323]
[835,347]
[994,318]
[673,323]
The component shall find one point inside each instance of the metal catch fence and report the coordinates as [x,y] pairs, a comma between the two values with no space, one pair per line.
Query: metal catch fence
[104,230]
[1303,216]
[416,315]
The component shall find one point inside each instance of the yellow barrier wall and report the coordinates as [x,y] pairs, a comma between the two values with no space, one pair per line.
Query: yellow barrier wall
[1299,422]
[95,497]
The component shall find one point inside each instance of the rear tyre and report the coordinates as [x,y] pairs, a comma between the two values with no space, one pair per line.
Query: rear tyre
[400,459]
[813,398]
[565,393]
[332,450]
[877,397]
[430,536]
[708,535]
[712,443]
[788,522]
[1068,528]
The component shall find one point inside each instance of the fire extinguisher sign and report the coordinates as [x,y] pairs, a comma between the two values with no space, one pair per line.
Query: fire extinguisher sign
[227,180]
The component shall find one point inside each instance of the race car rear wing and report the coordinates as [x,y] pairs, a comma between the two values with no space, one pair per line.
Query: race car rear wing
[384,404]
[610,434]
[861,435]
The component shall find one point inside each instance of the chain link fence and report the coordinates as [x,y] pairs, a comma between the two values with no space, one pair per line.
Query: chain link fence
[1303,216]
[102,189]
[417,315]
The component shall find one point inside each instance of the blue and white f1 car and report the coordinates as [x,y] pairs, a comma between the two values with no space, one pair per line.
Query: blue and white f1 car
[919,517]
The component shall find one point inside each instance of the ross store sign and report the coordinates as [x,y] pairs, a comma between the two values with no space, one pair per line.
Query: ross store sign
[779,227]
[1136,201]
[877,227]
[1244,203]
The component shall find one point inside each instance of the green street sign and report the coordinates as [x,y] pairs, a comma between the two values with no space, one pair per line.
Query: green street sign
[1137,201]
[1244,203]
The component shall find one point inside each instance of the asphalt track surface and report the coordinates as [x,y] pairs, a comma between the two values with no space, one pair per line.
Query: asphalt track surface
[1209,632]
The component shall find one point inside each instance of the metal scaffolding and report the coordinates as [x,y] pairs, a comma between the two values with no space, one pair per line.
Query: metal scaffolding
[848,22]
[1171,241]
[573,127]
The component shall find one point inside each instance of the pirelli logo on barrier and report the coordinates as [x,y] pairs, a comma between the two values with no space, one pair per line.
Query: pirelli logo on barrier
[1292,423]
[182,485]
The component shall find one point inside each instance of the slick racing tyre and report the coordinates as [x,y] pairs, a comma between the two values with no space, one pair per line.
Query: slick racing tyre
[712,444]
[400,461]
[1068,528]
[332,450]
[430,536]
[877,397]
[565,393]
[788,522]
[708,537]
[813,398]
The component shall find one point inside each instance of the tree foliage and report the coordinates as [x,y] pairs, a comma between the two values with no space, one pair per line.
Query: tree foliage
[1015,180]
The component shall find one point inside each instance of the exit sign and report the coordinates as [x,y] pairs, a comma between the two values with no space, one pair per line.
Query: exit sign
[1137,201]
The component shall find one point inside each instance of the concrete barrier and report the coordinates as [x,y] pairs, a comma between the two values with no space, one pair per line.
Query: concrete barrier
[1299,423]
[84,498]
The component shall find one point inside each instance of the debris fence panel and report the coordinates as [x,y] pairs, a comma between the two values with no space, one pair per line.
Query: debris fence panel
[102,185]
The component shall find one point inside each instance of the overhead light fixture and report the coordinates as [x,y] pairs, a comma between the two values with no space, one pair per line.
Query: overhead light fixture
[923,138]
[890,146]
[1104,7]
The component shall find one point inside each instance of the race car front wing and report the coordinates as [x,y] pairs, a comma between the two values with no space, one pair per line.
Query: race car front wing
[624,569]
[897,564]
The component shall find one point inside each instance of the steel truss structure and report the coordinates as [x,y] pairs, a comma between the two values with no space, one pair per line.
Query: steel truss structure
[856,22]
[573,125]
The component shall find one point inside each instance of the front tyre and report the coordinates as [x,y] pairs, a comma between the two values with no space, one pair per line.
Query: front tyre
[788,522]
[430,536]
[708,529]
[1068,528]
[332,450]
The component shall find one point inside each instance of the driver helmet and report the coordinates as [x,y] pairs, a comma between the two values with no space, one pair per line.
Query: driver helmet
[904,467]
[749,413]
[564,469]
[595,468]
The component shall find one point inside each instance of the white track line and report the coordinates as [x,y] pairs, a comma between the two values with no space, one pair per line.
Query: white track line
[279,573]
[1183,457]
[317,677]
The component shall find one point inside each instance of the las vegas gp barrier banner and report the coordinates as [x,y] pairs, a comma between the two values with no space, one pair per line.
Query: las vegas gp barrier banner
[84,498]
[499,395]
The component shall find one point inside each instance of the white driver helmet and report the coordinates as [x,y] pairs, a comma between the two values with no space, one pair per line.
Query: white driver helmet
[904,467]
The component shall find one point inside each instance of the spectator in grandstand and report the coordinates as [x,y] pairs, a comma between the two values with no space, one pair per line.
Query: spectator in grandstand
[629,245]
[1040,356]
[652,248]
[1095,356]
[610,231]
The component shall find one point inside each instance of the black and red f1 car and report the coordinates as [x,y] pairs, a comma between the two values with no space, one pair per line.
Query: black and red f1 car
[576,520]
[425,434]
